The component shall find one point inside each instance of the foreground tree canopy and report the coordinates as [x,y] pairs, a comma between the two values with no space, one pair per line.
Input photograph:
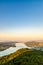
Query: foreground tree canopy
[23,57]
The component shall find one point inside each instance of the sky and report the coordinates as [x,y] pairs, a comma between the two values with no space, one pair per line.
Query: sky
[21,20]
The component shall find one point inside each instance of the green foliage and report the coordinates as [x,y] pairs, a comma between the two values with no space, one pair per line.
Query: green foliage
[23,57]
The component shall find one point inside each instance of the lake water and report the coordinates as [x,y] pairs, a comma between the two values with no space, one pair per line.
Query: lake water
[14,49]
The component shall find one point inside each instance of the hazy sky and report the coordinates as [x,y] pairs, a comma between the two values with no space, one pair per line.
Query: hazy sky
[21,20]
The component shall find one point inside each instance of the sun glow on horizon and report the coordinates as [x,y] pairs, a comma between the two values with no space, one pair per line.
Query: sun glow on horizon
[21,37]
[23,34]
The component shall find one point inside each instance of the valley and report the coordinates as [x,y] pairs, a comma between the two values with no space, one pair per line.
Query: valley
[21,53]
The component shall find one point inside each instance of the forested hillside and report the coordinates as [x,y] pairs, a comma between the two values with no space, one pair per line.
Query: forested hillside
[23,57]
[34,44]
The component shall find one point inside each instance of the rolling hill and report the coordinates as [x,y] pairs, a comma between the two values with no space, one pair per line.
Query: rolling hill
[34,43]
[6,45]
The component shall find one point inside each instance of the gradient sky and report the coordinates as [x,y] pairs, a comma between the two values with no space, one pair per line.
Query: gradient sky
[21,20]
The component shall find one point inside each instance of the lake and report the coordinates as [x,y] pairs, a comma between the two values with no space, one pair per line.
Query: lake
[18,46]
[13,49]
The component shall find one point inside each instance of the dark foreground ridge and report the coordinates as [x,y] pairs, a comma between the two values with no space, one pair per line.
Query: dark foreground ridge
[23,57]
